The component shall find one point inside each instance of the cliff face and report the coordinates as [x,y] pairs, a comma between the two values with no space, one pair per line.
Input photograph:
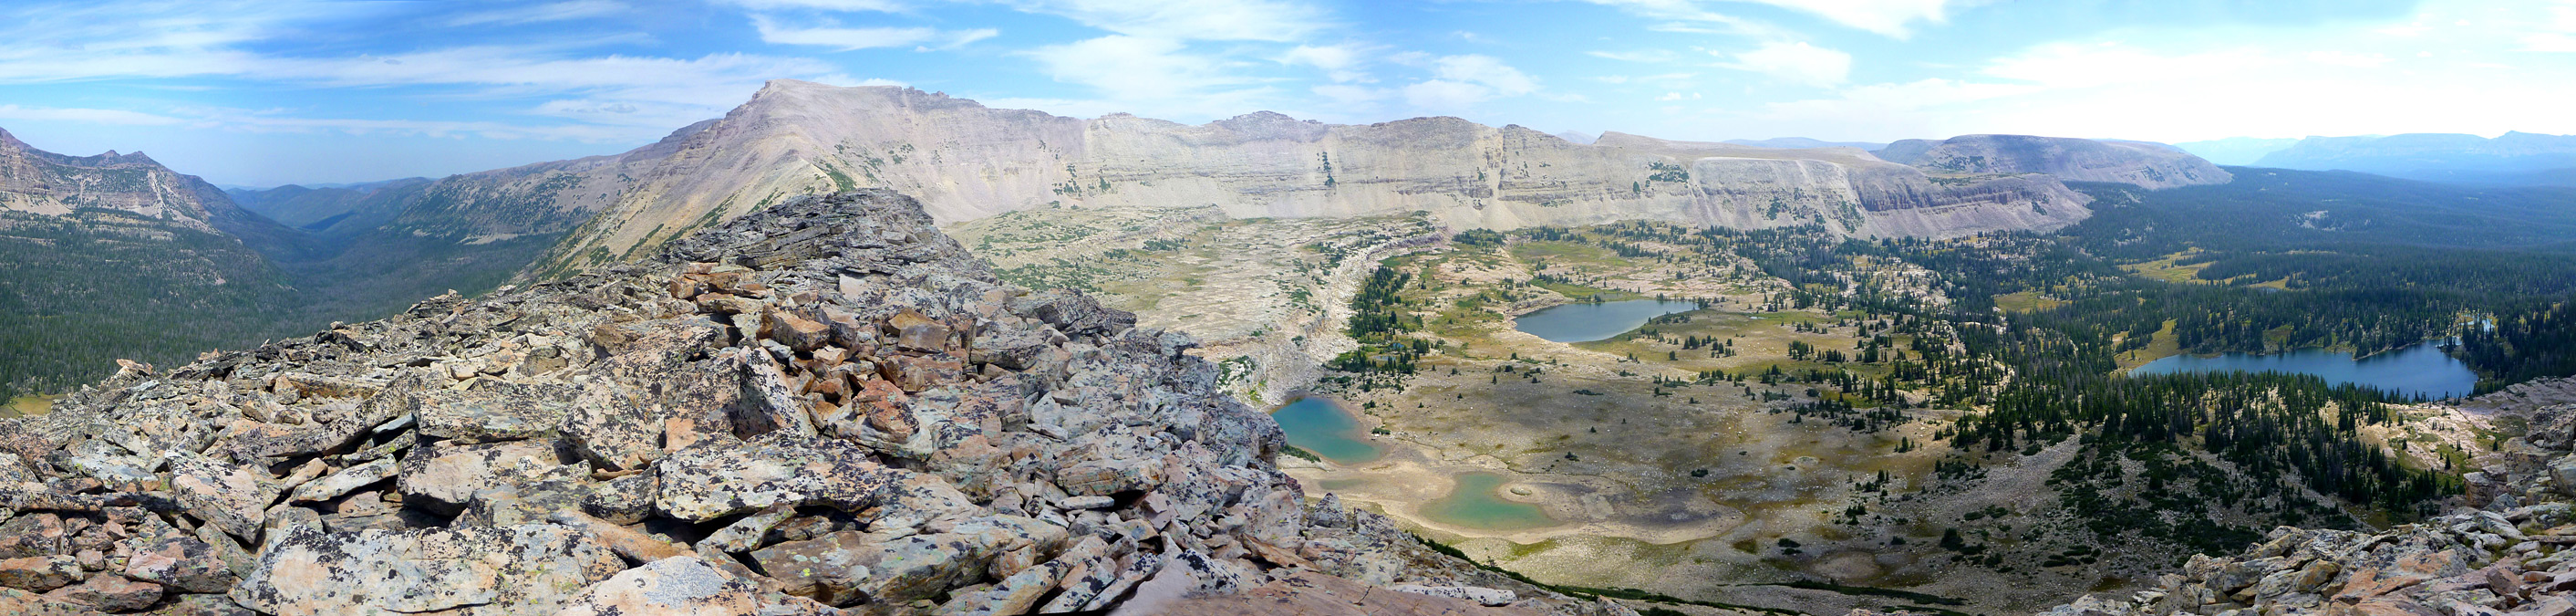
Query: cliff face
[40,182]
[966,161]
[2147,165]
[827,405]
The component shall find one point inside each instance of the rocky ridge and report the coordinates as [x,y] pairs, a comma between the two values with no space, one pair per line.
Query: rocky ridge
[40,182]
[966,161]
[2505,551]
[2139,163]
[828,407]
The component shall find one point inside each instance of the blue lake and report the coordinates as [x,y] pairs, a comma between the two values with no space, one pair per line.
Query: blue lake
[2422,368]
[1589,322]
[1323,427]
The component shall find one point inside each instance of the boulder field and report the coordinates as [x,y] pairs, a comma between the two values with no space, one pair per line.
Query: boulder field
[826,407]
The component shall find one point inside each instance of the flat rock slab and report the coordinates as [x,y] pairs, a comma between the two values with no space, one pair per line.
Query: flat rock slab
[675,586]
[488,570]
[483,417]
[1306,593]
[783,468]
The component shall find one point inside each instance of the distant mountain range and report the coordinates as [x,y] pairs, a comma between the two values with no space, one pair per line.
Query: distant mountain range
[2235,151]
[114,256]
[2514,158]
[284,260]
[2147,165]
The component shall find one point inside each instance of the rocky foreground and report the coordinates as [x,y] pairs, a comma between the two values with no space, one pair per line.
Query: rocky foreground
[824,408]
[2508,555]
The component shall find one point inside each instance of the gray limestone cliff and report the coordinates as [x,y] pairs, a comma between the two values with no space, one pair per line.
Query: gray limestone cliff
[966,161]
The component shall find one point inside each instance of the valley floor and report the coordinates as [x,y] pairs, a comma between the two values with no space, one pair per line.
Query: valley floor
[1671,459]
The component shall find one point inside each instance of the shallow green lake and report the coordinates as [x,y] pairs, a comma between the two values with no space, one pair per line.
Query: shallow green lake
[1322,426]
[1478,503]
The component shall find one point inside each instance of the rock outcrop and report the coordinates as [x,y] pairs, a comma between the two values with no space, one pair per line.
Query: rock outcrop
[827,407]
[2146,165]
[2505,552]
[41,182]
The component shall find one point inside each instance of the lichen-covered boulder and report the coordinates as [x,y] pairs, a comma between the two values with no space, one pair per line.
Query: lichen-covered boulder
[787,468]
[675,586]
[39,573]
[487,570]
[184,563]
[230,497]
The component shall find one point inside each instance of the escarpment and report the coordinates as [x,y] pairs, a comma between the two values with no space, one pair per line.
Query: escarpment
[965,161]
[825,407]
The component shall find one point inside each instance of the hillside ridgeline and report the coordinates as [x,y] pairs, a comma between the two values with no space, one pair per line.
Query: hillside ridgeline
[827,406]
[966,161]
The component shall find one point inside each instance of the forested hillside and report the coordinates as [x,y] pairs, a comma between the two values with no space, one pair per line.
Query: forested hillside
[2376,263]
[82,290]
[115,257]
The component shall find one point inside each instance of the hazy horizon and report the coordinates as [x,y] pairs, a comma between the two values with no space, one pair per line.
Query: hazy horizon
[317,92]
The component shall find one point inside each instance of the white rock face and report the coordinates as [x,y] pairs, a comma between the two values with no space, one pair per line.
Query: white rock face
[966,161]
[40,182]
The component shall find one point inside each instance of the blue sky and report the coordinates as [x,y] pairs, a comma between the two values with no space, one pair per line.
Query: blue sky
[282,91]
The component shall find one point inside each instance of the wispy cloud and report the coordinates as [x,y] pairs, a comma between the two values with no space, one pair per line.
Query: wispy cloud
[1894,18]
[882,6]
[1340,63]
[90,116]
[1202,20]
[1794,62]
[851,39]
[540,13]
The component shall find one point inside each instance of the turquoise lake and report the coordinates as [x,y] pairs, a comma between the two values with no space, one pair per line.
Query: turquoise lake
[1589,322]
[1322,426]
[1478,503]
[2422,368]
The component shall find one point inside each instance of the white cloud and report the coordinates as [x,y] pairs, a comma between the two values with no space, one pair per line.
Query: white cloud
[844,39]
[1339,62]
[1461,81]
[1889,17]
[2557,34]
[1796,62]
[849,39]
[1486,71]
[881,6]
[86,116]
[539,13]
[2355,60]
[1146,76]
[1349,94]
[2072,65]
[1200,20]
[1893,18]
[1444,94]
[1647,56]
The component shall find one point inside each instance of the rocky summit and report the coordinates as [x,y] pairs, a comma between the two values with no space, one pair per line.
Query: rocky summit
[826,407]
